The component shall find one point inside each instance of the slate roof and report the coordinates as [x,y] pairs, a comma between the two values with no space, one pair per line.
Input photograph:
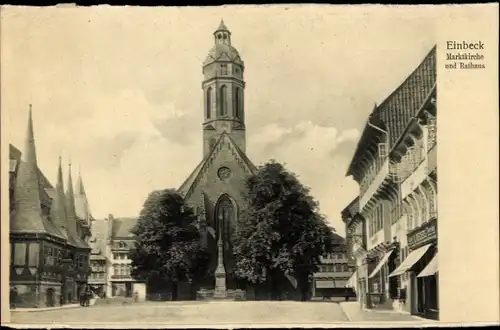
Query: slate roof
[223,52]
[222,26]
[29,190]
[82,208]
[396,111]
[189,182]
[121,227]
[100,229]
[46,188]
[404,103]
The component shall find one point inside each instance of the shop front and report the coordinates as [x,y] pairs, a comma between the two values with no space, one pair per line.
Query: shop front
[421,266]
[380,262]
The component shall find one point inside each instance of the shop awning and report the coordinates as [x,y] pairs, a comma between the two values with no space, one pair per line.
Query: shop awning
[381,264]
[431,268]
[412,259]
[351,283]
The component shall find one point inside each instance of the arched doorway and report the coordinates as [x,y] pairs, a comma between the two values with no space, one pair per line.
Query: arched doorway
[50,300]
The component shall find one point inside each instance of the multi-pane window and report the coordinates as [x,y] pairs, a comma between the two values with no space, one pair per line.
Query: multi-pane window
[34,254]
[49,253]
[377,220]
[19,254]
[223,69]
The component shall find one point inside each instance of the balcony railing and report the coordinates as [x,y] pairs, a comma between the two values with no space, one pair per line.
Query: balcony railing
[375,184]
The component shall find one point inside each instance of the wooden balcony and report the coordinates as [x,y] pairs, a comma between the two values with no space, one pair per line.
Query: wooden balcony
[381,176]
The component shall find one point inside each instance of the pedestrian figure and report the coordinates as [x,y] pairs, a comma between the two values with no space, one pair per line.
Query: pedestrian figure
[13,297]
[82,298]
[88,295]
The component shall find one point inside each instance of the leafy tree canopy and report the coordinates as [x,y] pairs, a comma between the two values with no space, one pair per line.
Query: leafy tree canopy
[281,229]
[167,240]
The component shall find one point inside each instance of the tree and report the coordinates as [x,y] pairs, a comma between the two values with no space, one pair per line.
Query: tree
[281,233]
[167,241]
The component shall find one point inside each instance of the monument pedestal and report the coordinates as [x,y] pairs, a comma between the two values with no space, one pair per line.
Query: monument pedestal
[220,291]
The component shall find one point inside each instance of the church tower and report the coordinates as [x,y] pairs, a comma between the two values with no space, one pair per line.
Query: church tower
[223,92]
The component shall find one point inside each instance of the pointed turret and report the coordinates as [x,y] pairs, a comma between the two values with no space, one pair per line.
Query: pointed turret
[58,209]
[222,34]
[27,217]
[222,26]
[81,203]
[70,209]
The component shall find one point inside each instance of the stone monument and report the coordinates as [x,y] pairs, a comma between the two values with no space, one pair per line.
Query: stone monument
[220,272]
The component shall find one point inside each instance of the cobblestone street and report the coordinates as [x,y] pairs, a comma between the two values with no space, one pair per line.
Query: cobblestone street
[209,312]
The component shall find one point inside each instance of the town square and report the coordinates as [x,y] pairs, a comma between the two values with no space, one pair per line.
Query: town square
[217,174]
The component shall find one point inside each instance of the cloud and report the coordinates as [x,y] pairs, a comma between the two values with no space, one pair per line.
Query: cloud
[125,100]
[309,151]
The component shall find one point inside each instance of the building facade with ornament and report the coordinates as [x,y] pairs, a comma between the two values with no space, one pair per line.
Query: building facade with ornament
[392,225]
[49,231]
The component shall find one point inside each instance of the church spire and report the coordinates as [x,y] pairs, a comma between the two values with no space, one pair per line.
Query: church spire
[222,34]
[81,203]
[70,206]
[80,190]
[58,209]
[222,27]
[28,209]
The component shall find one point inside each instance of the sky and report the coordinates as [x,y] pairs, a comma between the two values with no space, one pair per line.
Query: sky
[118,90]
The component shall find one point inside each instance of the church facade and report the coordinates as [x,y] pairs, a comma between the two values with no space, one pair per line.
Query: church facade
[215,188]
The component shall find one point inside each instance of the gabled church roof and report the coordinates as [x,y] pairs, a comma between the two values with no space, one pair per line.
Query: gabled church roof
[189,182]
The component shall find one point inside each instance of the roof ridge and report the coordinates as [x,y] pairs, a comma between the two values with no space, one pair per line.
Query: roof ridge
[251,167]
[199,168]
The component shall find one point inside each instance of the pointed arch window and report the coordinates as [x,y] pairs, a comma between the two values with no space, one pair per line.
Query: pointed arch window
[238,103]
[225,217]
[209,102]
[223,100]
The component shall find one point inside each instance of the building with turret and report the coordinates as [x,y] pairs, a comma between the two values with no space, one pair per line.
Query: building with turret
[49,255]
